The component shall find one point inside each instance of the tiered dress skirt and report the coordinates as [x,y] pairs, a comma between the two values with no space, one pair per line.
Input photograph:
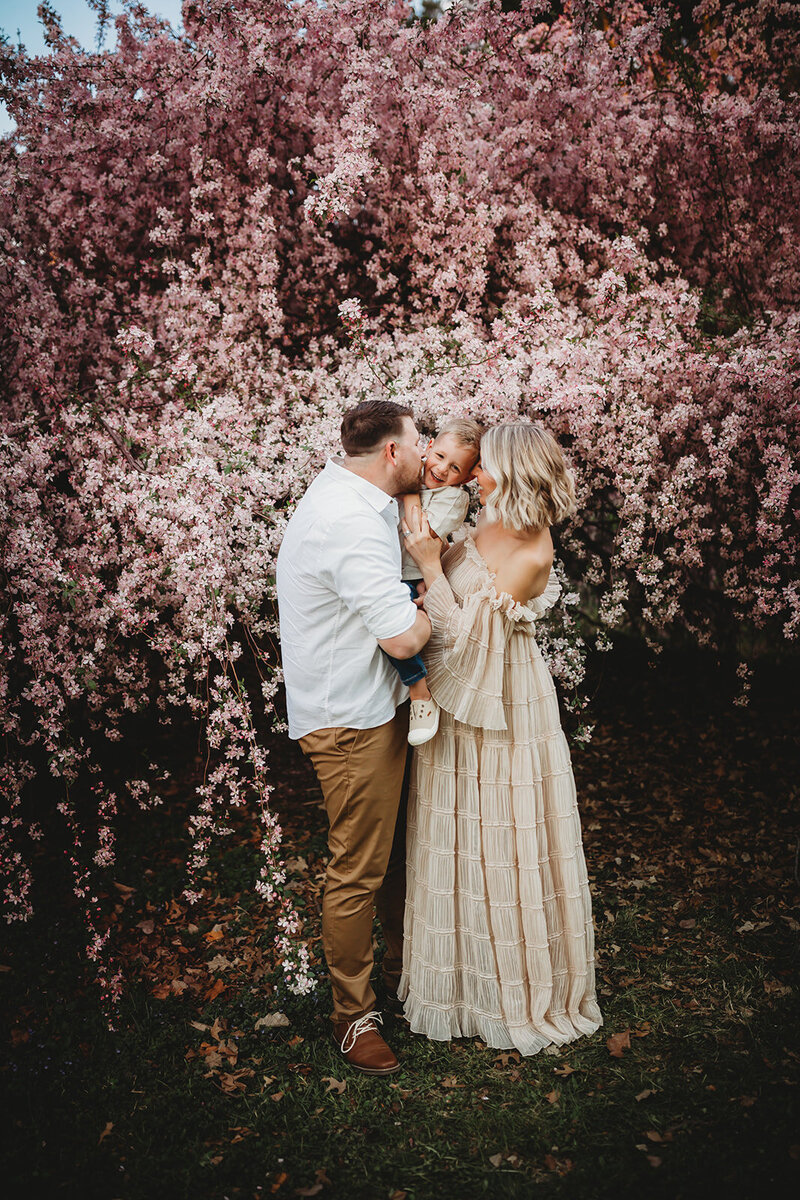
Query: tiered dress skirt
[499,941]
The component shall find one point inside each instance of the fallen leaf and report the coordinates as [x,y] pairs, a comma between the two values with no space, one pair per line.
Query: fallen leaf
[451,1082]
[773,987]
[647,1092]
[552,1097]
[653,1135]
[231,1083]
[240,1132]
[218,986]
[334,1085]
[560,1165]
[272,1021]
[276,1096]
[689,923]
[619,1042]
[495,1159]
[146,926]
[504,1059]
[230,1050]
[753,927]
[214,935]
[280,1181]
[654,1160]
[218,963]
[314,1190]
[565,1070]
[106,1131]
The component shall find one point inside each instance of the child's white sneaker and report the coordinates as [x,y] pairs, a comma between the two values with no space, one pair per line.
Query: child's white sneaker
[423,722]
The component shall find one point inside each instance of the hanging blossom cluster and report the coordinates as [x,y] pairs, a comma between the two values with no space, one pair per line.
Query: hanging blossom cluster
[212,243]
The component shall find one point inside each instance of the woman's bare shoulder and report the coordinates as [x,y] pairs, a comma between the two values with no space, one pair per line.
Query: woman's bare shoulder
[526,569]
[538,552]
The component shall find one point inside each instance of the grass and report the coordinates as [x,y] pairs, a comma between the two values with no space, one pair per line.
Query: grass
[689,814]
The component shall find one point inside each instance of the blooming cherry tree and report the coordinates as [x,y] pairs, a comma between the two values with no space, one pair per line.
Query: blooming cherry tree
[213,242]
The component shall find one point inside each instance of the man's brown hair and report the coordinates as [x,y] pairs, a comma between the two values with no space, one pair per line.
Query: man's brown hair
[366,426]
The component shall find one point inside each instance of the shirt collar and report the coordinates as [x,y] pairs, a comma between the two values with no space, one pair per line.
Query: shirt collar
[375,496]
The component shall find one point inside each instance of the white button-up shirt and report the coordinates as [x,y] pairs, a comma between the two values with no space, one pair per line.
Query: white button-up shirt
[339,591]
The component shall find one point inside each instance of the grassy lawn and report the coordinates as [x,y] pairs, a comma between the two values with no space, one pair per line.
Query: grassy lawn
[689,809]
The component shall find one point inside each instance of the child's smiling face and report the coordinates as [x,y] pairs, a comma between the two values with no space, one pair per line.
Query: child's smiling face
[448,463]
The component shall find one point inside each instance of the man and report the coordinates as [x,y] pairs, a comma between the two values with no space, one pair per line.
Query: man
[341,602]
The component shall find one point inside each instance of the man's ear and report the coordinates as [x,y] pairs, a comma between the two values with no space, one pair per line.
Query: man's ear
[390,451]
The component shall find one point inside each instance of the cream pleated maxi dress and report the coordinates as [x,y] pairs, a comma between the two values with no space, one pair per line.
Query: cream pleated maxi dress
[498,936]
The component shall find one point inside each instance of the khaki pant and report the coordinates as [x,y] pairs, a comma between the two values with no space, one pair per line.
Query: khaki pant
[361,773]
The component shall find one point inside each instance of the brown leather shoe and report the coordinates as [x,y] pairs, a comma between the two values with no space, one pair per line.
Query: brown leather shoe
[363,1047]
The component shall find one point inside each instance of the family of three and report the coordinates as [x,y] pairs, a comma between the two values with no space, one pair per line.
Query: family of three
[468,847]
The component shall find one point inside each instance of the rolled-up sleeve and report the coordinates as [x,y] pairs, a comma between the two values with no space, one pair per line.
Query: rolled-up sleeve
[363,568]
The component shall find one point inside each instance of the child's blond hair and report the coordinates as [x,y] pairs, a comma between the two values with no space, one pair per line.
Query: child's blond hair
[466,432]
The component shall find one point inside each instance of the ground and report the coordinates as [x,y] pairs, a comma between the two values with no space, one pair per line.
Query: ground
[218,1083]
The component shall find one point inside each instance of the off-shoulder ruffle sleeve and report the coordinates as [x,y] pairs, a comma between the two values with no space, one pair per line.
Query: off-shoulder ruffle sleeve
[465,656]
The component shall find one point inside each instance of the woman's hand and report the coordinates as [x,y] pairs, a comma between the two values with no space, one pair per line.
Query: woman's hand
[424,546]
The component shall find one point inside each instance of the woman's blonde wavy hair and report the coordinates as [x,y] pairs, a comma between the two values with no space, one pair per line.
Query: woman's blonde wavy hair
[535,487]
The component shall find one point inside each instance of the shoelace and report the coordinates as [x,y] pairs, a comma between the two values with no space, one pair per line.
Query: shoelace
[364,1024]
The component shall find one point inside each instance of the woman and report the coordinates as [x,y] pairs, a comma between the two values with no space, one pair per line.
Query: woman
[498,925]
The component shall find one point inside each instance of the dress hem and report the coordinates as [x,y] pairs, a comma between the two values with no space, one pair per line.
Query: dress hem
[443,1025]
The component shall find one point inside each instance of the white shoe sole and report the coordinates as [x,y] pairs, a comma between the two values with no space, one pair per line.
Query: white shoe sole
[418,737]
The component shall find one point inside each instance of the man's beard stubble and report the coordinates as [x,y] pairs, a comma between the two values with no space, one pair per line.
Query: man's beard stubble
[410,484]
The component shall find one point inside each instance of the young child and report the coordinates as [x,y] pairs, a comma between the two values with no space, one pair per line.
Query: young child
[450,460]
